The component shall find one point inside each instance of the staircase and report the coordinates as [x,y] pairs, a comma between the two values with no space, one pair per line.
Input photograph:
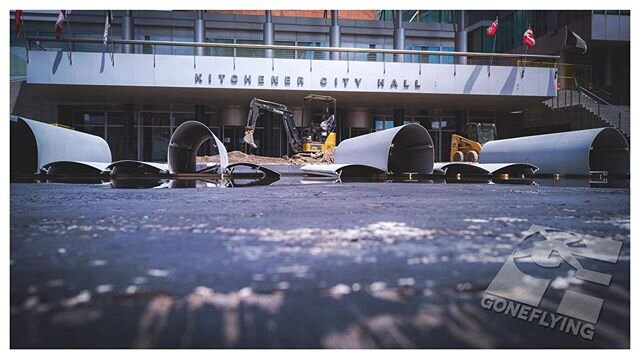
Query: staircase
[612,115]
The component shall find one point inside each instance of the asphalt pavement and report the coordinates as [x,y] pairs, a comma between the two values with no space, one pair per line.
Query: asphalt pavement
[291,265]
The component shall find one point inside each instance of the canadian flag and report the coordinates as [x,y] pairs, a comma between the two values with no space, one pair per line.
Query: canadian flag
[62,17]
[528,38]
[18,22]
[492,29]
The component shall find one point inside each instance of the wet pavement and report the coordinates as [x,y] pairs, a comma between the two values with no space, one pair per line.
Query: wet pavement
[353,265]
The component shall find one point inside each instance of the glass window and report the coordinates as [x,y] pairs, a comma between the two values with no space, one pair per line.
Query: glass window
[182,50]
[249,52]
[180,118]
[284,54]
[416,58]
[156,135]
[91,119]
[613,12]
[447,59]
[382,122]
[598,11]
[88,47]
[625,12]
[221,51]
[433,59]
[18,61]
[317,55]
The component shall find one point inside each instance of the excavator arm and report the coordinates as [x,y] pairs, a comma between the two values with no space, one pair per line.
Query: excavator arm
[257,108]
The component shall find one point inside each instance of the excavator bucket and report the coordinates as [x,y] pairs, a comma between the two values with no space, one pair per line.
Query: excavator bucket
[248,138]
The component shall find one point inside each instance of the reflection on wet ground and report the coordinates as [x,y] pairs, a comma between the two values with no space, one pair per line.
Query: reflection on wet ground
[214,181]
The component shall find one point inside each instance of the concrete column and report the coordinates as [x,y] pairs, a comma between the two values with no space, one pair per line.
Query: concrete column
[199,29]
[127,31]
[398,36]
[398,117]
[334,34]
[130,134]
[267,35]
[200,114]
[461,36]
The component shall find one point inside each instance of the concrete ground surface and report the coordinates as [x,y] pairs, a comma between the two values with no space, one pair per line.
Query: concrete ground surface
[290,265]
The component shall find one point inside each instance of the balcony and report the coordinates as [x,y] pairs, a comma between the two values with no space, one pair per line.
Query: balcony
[499,82]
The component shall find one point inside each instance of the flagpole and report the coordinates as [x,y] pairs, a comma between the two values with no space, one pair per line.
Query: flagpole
[493,50]
[524,63]
[66,19]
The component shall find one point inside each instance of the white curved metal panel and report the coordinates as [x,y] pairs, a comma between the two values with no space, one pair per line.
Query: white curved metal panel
[406,148]
[54,144]
[573,152]
[184,144]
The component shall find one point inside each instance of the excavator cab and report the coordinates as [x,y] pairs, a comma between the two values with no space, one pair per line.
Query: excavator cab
[319,136]
[467,148]
[480,132]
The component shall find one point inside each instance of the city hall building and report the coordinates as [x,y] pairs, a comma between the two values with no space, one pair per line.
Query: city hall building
[158,69]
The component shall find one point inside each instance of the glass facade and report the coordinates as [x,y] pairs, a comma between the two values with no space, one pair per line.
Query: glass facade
[437,16]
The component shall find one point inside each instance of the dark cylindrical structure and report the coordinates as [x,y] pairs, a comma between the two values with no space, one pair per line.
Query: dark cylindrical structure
[398,35]
[199,31]
[334,34]
[461,36]
[127,31]
[268,33]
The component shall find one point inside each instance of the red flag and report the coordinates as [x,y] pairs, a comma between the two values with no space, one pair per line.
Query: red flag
[62,17]
[492,29]
[18,22]
[528,38]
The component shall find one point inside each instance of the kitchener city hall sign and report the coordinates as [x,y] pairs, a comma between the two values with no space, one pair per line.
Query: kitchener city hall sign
[144,70]
[275,81]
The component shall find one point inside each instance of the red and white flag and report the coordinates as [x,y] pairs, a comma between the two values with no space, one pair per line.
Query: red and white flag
[62,17]
[18,22]
[528,38]
[492,29]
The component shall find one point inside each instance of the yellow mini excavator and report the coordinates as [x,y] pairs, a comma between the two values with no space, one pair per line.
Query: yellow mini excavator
[318,137]
[467,149]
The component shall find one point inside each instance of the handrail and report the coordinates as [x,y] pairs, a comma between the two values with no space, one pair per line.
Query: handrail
[591,94]
[289,47]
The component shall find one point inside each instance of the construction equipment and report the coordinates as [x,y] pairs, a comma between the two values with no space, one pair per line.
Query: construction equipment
[318,137]
[467,149]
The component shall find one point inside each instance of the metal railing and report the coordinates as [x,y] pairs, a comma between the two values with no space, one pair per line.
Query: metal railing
[109,47]
[580,96]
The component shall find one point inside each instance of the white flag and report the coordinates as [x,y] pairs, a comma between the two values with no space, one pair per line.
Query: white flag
[107,26]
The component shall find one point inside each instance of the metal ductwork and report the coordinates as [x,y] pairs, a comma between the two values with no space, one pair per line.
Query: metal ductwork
[184,145]
[568,153]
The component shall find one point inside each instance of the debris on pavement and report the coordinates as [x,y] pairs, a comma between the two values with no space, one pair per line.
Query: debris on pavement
[295,160]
